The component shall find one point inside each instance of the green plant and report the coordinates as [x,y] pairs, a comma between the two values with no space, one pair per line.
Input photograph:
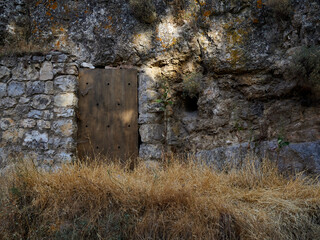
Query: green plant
[282,142]
[165,98]
[305,69]
[165,101]
[191,84]
[281,8]
[144,10]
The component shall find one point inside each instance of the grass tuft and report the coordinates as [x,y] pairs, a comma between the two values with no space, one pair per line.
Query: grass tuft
[282,8]
[178,199]
[21,47]
[144,10]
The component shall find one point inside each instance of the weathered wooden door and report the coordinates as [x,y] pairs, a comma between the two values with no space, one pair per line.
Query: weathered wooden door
[108,113]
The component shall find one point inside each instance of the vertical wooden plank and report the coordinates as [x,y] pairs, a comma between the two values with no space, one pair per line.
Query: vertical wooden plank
[130,113]
[108,113]
[86,90]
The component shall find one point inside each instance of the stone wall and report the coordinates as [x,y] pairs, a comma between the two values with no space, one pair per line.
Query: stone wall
[37,108]
[151,125]
[233,119]
[241,49]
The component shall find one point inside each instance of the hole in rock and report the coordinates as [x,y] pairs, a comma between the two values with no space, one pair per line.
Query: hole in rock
[191,103]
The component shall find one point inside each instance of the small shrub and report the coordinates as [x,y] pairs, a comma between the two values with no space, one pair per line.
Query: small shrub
[191,85]
[20,47]
[144,10]
[165,98]
[165,101]
[305,69]
[281,8]
[191,90]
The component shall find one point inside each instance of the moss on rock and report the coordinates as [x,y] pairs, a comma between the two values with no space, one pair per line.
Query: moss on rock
[144,10]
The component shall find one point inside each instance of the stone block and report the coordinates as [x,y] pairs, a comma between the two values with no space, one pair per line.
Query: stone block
[62,69]
[24,100]
[150,151]
[49,87]
[87,65]
[36,140]
[27,123]
[46,71]
[64,127]
[146,82]
[36,87]
[175,133]
[64,112]
[36,114]
[7,102]
[20,72]
[3,90]
[16,89]
[21,110]
[9,61]
[63,157]
[48,57]
[65,143]
[149,118]
[4,73]
[47,115]
[41,101]
[65,100]
[148,96]
[41,124]
[60,58]
[151,133]
[39,59]
[12,135]
[66,83]
[5,123]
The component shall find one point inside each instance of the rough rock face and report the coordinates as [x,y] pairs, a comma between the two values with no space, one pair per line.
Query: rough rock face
[240,48]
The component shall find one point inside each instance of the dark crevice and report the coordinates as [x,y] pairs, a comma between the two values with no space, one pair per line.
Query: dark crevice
[202,63]
[139,140]
[100,66]
[191,103]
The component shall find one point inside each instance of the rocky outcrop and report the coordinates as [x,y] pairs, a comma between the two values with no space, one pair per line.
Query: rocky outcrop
[242,50]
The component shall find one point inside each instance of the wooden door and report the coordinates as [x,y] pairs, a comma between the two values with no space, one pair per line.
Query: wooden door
[108,113]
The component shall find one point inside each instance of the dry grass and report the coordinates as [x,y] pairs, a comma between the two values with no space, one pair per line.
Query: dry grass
[144,10]
[179,200]
[21,47]
[281,8]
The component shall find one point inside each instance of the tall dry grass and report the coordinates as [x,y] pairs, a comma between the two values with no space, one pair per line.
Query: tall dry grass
[22,47]
[177,200]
